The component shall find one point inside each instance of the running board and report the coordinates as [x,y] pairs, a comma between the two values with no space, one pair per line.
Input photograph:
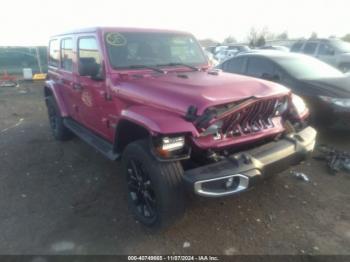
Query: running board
[100,144]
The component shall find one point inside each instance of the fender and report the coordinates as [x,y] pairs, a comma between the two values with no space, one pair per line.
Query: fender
[50,85]
[158,121]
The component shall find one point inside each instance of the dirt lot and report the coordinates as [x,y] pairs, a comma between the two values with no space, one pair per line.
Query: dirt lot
[65,198]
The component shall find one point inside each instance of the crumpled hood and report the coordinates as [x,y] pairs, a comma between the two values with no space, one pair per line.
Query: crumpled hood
[334,87]
[177,91]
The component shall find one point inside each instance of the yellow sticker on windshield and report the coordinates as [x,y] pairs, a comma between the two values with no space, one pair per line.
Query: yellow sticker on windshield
[115,39]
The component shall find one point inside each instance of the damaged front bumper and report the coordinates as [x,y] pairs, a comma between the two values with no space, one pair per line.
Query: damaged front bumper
[243,170]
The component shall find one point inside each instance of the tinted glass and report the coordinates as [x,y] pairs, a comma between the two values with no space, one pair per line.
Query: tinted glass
[67,54]
[305,67]
[54,53]
[296,47]
[325,49]
[89,55]
[234,65]
[152,49]
[310,48]
[257,67]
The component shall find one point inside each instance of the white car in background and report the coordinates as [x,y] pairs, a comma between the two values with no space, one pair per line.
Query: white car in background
[231,51]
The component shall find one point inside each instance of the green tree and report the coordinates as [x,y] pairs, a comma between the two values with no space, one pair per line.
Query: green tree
[261,41]
[230,40]
[282,36]
[313,35]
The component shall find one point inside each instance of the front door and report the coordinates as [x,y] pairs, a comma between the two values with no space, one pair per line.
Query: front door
[93,102]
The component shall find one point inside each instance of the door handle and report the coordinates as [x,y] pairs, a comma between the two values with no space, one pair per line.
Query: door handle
[77,87]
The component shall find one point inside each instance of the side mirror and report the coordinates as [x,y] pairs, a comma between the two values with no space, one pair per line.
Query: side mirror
[89,67]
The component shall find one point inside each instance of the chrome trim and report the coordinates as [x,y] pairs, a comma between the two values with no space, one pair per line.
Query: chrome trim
[243,185]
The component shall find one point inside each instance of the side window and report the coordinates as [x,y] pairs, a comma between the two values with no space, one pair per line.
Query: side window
[54,53]
[257,67]
[235,65]
[296,47]
[89,56]
[310,48]
[325,49]
[67,54]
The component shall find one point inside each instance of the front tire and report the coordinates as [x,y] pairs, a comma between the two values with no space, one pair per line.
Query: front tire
[155,189]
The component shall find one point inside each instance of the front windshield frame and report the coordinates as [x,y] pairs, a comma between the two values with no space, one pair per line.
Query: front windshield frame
[202,60]
[305,67]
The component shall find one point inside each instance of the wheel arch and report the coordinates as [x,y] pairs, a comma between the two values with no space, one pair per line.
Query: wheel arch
[140,122]
[50,89]
[128,131]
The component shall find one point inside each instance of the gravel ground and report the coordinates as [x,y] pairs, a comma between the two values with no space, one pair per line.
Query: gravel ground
[65,198]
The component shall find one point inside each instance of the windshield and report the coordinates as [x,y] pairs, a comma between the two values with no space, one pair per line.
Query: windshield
[129,49]
[341,46]
[305,67]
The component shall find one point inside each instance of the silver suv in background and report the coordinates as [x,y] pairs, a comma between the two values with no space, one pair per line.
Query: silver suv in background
[332,51]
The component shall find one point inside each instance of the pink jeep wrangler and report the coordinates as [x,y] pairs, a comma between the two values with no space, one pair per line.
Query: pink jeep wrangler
[150,98]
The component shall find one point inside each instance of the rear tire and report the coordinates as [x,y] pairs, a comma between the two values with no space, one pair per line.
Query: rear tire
[59,131]
[156,194]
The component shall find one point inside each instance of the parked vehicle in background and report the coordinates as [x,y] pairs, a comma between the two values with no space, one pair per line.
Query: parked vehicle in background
[237,48]
[224,54]
[275,47]
[149,98]
[332,51]
[213,62]
[231,51]
[219,49]
[210,49]
[325,89]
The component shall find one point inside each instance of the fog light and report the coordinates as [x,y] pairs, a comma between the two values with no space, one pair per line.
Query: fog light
[229,182]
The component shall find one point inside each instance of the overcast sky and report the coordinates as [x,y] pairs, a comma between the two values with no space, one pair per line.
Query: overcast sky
[31,22]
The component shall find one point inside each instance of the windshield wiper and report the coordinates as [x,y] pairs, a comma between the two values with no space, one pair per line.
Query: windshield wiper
[180,64]
[147,67]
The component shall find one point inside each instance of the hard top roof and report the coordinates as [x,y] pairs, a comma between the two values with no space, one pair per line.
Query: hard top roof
[118,29]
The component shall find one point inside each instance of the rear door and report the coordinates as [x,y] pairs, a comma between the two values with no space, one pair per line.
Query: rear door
[67,78]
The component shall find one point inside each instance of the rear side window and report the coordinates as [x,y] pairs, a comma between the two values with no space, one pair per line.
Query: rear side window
[235,65]
[296,47]
[54,53]
[310,48]
[67,54]
[89,55]
[325,49]
[257,67]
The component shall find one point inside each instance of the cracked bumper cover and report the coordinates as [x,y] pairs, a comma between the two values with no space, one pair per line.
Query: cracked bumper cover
[243,170]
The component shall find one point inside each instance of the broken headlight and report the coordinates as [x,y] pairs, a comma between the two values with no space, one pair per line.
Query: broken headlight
[299,105]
